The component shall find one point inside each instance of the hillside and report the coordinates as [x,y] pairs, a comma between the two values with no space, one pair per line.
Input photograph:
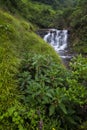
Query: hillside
[39,14]
[21,35]
[17,41]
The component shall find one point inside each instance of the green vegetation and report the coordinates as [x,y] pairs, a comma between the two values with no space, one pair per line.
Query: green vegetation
[75,19]
[79,28]
[39,14]
[58,4]
[36,91]
[21,34]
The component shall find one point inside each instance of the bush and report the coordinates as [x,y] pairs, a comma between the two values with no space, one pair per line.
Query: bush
[79,68]
[53,91]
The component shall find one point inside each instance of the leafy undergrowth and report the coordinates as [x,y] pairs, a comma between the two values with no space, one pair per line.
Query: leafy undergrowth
[47,96]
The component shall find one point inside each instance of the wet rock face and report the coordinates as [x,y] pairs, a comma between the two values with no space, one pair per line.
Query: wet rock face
[42,32]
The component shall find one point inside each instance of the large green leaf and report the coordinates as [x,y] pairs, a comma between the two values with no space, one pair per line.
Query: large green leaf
[63,108]
[51,110]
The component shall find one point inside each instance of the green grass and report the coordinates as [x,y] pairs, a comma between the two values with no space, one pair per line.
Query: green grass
[17,38]
[20,34]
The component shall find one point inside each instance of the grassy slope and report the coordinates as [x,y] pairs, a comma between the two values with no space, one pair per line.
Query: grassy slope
[16,39]
[20,34]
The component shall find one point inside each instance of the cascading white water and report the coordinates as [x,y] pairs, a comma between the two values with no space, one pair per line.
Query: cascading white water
[58,40]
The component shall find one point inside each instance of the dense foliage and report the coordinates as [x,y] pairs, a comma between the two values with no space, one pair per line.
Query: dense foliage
[49,96]
[56,4]
[74,19]
[79,27]
[39,14]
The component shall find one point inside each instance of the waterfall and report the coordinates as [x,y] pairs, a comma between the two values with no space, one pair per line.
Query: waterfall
[58,39]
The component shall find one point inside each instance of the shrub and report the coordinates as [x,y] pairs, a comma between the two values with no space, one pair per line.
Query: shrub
[52,90]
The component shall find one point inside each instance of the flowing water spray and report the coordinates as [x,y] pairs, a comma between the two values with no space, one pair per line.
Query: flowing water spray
[58,39]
